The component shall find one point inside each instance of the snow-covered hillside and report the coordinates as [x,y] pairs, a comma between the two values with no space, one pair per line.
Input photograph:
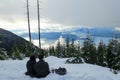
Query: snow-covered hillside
[15,69]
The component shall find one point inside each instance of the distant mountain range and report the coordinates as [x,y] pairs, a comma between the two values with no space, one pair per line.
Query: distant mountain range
[76,34]
[52,35]
[8,39]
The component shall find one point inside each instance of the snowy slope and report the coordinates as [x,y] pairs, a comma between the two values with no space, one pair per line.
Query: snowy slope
[15,69]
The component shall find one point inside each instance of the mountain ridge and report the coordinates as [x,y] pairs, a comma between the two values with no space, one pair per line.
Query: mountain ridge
[79,33]
[9,39]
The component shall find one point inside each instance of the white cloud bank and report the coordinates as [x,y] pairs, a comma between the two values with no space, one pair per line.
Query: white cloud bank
[60,14]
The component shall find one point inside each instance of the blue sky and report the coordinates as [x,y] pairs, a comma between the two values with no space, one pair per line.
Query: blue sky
[58,15]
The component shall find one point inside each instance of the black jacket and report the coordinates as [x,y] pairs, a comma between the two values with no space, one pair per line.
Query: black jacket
[42,69]
[30,68]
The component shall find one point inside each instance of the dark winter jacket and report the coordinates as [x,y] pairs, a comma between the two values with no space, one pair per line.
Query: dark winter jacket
[30,68]
[42,69]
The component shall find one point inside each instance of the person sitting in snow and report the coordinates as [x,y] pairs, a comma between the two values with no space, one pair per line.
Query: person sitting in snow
[41,67]
[30,66]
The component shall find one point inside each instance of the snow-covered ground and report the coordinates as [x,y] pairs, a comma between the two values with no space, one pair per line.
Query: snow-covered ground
[15,69]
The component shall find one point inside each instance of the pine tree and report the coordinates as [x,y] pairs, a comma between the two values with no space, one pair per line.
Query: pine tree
[78,50]
[89,50]
[118,58]
[52,51]
[16,53]
[75,54]
[29,49]
[58,49]
[101,51]
[3,54]
[72,49]
[67,52]
[93,56]
[112,55]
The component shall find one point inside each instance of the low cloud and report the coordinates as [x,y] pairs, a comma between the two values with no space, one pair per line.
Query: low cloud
[117,28]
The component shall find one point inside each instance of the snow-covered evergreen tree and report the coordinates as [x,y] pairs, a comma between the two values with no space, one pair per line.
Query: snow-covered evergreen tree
[67,47]
[3,54]
[57,50]
[89,50]
[72,49]
[101,52]
[112,56]
[17,52]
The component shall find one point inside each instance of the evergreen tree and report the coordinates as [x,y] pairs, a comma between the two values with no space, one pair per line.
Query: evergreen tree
[28,49]
[89,50]
[67,47]
[17,53]
[92,55]
[31,49]
[3,54]
[63,54]
[58,49]
[75,54]
[101,51]
[72,49]
[118,58]
[51,51]
[112,56]
[78,50]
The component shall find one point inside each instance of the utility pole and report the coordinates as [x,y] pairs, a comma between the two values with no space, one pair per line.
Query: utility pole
[28,17]
[39,24]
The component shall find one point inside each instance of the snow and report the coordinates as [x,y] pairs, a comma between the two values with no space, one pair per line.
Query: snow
[15,69]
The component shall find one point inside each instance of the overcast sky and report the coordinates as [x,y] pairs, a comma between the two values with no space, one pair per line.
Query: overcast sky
[60,14]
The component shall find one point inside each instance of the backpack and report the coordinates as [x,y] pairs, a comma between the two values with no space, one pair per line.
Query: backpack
[61,71]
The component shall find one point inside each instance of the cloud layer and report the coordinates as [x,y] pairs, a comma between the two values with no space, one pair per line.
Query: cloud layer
[82,12]
[61,13]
